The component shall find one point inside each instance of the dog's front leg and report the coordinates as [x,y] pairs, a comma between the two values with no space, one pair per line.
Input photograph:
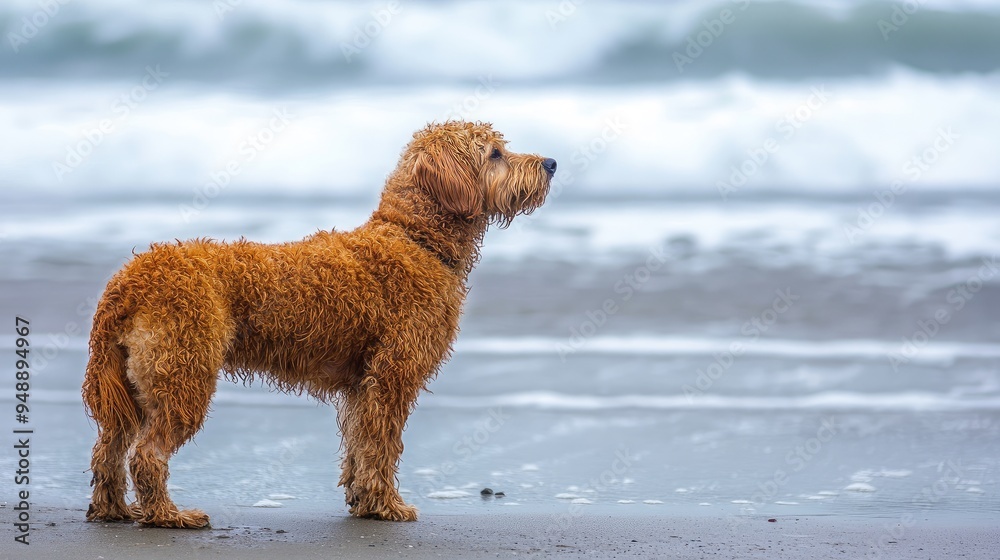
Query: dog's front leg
[376,412]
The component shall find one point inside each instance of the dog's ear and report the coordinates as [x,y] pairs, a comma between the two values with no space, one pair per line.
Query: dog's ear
[450,183]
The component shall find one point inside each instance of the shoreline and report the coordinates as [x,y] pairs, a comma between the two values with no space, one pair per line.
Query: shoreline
[266,533]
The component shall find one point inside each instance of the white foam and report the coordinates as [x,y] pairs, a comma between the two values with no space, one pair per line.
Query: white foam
[898,473]
[652,502]
[862,476]
[859,487]
[566,496]
[268,504]
[828,400]
[712,124]
[626,501]
[812,231]
[783,503]
[281,496]
[544,400]
[448,494]
[667,345]
[581,501]
[664,345]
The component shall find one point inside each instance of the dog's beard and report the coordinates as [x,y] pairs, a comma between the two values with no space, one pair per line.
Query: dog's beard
[512,195]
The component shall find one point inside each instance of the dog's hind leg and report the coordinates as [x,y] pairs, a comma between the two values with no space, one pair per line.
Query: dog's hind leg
[110,400]
[347,463]
[177,381]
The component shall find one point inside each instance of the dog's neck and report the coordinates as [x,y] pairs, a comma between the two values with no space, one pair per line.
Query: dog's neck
[455,241]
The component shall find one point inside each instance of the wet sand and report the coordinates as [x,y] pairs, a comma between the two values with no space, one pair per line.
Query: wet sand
[272,534]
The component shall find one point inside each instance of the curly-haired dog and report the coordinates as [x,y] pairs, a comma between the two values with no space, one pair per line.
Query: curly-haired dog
[361,318]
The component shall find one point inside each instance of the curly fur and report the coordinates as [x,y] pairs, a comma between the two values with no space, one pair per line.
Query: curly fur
[362,319]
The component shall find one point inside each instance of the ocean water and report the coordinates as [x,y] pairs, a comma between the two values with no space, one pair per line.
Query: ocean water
[161,97]
[766,281]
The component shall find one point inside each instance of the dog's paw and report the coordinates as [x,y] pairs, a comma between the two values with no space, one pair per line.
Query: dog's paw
[183,519]
[402,512]
[113,514]
[395,512]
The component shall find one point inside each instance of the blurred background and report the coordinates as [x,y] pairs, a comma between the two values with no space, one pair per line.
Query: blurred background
[692,90]
[771,245]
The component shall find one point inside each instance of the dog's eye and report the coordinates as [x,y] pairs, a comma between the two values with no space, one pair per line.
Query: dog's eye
[495,154]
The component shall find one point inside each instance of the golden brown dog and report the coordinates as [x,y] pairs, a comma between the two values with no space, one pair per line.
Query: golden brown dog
[361,318]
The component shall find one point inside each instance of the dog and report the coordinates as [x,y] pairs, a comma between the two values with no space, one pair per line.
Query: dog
[362,319]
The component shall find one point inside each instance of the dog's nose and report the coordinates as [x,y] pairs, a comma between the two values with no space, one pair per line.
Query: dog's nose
[550,165]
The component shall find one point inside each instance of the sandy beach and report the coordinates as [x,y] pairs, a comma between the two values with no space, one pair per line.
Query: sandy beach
[271,534]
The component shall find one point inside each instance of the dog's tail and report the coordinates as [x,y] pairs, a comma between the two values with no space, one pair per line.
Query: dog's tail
[107,394]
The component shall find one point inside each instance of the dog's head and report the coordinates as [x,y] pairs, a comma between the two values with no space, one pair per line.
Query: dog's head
[467,169]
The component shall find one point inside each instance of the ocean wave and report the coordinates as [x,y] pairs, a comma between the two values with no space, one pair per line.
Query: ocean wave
[665,345]
[544,400]
[935,352]
[301,43]
[832,400]
[920,132]
[697,233]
